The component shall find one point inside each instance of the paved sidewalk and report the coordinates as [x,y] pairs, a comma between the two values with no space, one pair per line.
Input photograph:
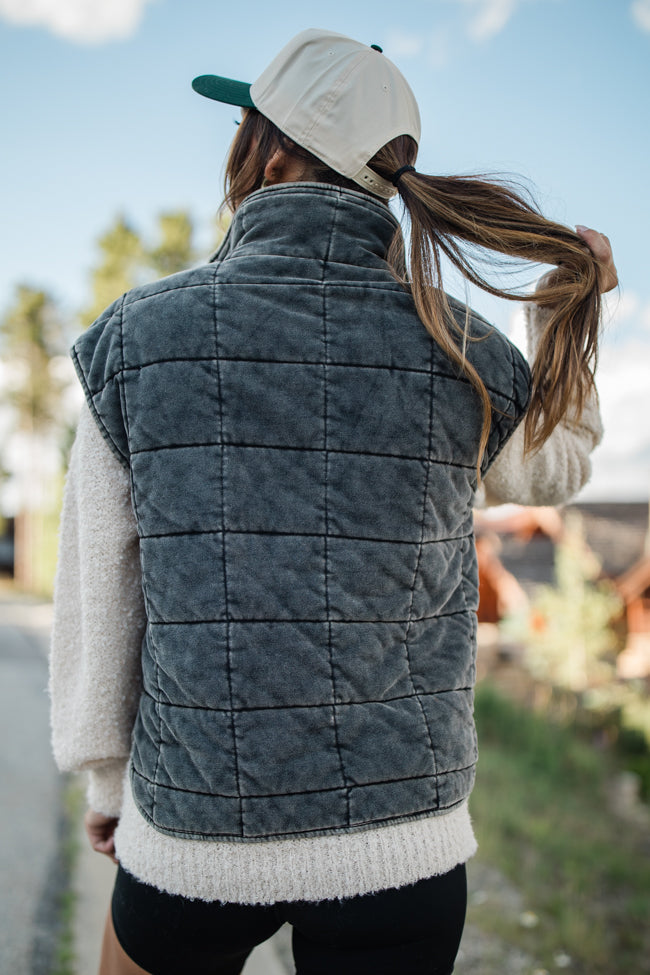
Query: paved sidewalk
[31,821]
[93,884]
[31,831]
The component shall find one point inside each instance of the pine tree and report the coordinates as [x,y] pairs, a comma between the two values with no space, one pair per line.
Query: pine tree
[31,336]
[122,265]
[175,252]
[127,259]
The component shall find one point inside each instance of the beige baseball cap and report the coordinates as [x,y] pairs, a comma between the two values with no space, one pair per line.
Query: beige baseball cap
[337,98]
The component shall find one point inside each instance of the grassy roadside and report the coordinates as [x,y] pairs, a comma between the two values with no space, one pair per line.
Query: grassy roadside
[542,816]
[73,805]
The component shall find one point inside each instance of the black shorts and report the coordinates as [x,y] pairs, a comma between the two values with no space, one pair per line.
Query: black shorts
[414,929]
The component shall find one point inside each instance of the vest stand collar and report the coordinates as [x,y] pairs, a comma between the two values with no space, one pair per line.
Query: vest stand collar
[303,218]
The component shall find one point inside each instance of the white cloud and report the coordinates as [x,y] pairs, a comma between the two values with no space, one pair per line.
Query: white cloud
[640,11]
[620,308]
[479,20]
[517,328]
[404,45]
[489,17]
[626,305]
[436,46]
[621,465]
[83,21]
[624,311]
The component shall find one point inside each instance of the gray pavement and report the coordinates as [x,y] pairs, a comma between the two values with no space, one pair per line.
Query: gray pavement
[32,828]
[31,821]
[93,883]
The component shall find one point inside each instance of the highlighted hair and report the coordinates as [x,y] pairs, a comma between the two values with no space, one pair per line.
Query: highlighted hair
[464,218]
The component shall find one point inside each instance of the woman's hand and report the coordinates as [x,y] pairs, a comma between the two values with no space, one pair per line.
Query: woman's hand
[601,249]
[100,830]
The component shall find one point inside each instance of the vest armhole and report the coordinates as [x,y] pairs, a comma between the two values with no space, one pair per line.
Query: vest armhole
[93,409]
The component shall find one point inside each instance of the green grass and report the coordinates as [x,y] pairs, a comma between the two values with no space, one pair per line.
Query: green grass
[541,815]
[64,956]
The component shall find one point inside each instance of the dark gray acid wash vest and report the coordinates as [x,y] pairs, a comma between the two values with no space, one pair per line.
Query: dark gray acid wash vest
[302,458]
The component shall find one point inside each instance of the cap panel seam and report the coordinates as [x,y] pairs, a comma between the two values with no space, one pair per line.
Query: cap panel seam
[358,61]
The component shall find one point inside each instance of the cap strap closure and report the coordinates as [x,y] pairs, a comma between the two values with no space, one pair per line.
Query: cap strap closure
[373,182]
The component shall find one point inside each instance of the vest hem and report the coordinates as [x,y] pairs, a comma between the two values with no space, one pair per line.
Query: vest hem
[307,868]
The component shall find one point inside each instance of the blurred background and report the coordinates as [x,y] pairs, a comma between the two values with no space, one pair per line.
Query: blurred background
[111,174]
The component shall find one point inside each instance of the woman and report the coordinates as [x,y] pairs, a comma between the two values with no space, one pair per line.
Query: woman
[292,437]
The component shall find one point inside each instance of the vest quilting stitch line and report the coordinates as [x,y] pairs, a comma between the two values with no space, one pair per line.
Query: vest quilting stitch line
[261,679]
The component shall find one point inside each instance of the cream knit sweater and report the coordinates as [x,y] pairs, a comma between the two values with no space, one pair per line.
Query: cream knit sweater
[95,685]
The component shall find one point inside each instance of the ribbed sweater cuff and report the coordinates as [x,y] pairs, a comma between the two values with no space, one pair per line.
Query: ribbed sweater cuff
[105,787]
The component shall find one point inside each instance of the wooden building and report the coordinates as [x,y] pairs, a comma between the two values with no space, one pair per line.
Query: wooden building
[633,587]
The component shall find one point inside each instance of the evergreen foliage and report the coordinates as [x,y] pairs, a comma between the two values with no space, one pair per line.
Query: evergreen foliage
[175,251]
[569,633]
[31,333]
[34,335]
[127,259]
[122,256]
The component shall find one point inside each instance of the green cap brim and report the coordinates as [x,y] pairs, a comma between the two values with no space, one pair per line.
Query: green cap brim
[224,90]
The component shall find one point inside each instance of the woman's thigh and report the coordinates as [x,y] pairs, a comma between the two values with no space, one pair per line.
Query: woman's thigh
[415,929]
[168,935]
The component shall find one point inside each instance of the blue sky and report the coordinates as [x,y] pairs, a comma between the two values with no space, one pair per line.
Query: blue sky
[98,117]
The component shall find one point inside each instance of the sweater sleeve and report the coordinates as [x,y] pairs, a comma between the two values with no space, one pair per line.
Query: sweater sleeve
[562,466]
[99,619]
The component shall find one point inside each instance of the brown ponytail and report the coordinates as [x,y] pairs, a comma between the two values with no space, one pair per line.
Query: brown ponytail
[447,212]
[462,217]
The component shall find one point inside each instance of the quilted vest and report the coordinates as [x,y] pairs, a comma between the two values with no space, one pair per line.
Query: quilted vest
[302,459]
